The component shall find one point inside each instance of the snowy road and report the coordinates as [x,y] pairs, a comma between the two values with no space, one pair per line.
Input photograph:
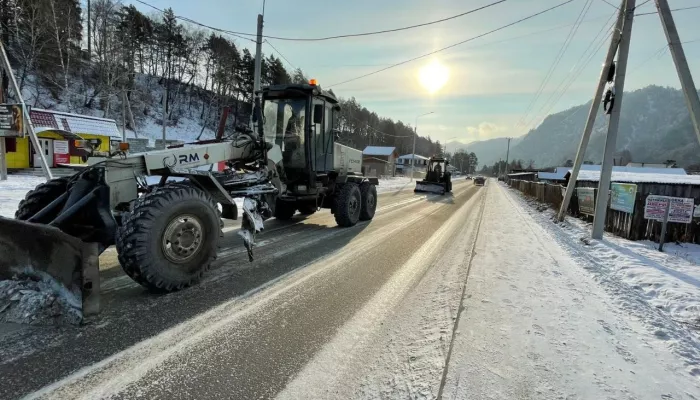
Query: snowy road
[263,321]
[459,297]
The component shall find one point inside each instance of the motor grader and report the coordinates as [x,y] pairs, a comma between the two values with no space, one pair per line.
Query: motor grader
[167,234]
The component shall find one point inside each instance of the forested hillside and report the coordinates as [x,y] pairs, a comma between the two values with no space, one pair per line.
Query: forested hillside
[148,63]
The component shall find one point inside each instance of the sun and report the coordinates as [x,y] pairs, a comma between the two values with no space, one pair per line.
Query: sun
[433,76]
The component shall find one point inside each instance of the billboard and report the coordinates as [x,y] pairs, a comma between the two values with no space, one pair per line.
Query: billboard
[11,120]
[680,208]
[586,200]
[622,196]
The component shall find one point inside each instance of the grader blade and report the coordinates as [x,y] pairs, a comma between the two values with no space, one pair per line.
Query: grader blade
[54,264]
[429,187]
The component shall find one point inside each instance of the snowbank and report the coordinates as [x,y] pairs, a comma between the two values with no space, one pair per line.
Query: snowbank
[13,190]
[34,297]
[393,184]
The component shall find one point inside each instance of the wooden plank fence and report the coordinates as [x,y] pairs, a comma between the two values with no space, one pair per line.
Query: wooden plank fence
[630,226]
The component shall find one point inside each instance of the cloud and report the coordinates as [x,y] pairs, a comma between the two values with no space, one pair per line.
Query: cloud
[485,130]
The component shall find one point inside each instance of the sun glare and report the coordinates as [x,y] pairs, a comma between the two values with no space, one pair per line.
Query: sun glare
[433,76]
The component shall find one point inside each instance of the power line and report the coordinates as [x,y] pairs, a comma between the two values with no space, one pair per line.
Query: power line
[453,45]
[376,130]
[611,4]
[388,30]
[675,9]
[571,82]
[234,33]
[554,28]
[280,53]
[658,53]
[557,60]
[575,71]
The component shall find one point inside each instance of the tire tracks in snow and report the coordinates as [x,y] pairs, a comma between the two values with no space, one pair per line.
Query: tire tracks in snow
[460,309]
[367,356]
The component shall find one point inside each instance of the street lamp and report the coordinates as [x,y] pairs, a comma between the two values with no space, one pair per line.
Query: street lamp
[415,133]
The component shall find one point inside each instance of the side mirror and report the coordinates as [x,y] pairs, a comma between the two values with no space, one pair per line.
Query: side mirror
[318,113]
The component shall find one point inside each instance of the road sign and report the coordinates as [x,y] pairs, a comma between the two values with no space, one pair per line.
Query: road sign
[679,209]
[622,196]
[586,200]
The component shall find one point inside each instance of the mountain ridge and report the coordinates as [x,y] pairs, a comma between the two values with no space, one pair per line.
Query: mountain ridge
[654,127]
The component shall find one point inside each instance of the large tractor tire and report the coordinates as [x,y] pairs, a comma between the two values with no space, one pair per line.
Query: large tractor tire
[40,197]
[307,208]
[284,210]
[170,238]
[369,201]
[348,205]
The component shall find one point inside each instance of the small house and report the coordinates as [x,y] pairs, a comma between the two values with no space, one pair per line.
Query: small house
[403,163]
[379,160]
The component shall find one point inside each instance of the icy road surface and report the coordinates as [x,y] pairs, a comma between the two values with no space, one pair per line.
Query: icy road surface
[458,297]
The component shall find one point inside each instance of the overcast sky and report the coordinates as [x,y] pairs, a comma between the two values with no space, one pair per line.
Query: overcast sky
[492,80]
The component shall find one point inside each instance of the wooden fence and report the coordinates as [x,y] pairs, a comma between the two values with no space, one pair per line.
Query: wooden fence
[630,226]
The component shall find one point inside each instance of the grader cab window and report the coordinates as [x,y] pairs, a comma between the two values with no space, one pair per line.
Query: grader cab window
[283,125]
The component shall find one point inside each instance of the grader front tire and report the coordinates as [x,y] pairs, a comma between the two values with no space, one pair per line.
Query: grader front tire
[170,238]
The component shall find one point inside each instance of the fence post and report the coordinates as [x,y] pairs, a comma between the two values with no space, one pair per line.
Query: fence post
[663,226]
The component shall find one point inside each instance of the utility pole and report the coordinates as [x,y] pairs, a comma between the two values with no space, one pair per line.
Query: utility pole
[89,32]
[676,48]
[123,115]
[258,56]
[3,160]
[507,155]
[601,205]
[3,146]
[165,111]
[25,113]
[595,106]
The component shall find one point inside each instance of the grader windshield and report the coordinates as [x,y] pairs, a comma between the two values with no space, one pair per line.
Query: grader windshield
[284,120]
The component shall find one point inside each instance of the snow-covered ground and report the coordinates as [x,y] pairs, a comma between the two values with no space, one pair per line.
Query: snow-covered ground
[660,290]
[12,191]
[394,184]
[548,317]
